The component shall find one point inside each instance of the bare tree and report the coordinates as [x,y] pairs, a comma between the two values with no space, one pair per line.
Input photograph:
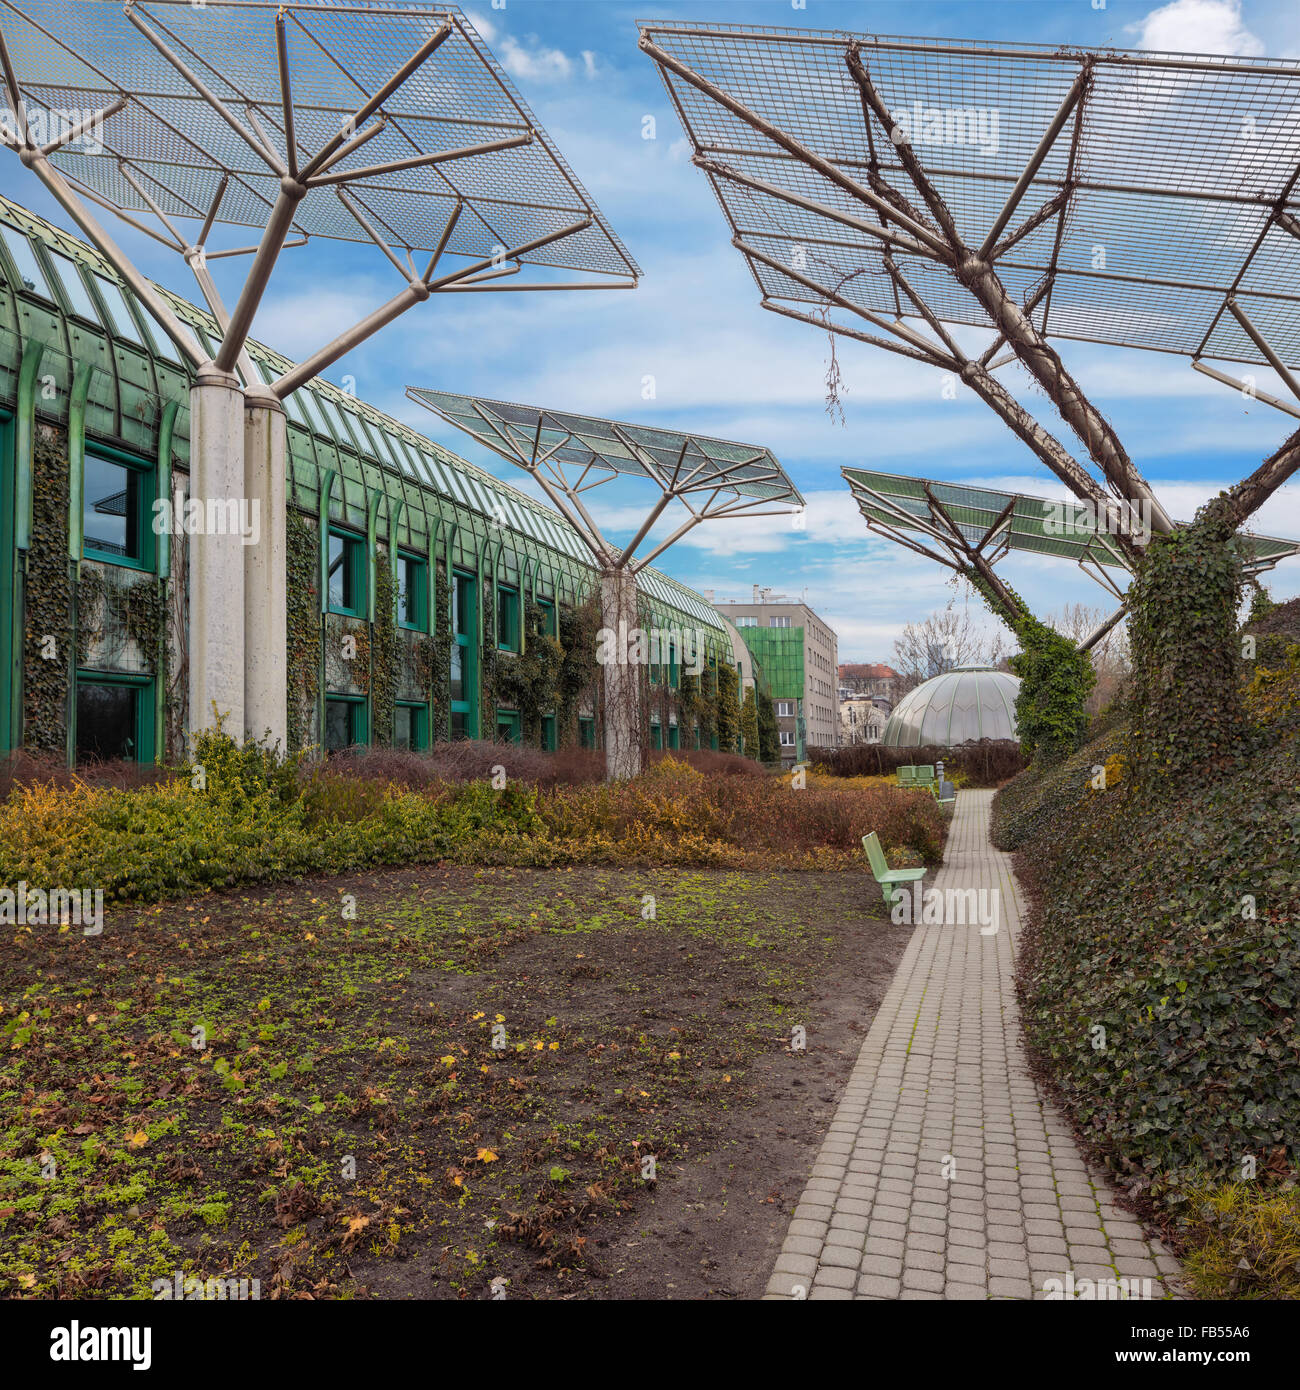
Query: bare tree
[944,641]
[1110,657]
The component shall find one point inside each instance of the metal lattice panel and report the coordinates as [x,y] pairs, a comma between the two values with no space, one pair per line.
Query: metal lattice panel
[638,450]
[1018,521]
[1181,175]
[84,54]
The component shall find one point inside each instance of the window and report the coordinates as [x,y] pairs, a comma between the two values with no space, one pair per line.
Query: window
[548,732]
[746,622]
[347,574]
[778,622]
[674,673]
[119,315]
[412,592]
[30,274]
[656,736]
[697,737]
[787,738]
[411,726]
[507,619]
[508,726]
[674,736]
[785,709]
[74,287]
[587,733]
[345,723]
[114,718]
[116,510]
[464,669]
[549,625]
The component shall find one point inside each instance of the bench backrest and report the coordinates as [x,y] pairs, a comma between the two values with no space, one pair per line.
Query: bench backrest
[906,775]
[875,855]
[924,773]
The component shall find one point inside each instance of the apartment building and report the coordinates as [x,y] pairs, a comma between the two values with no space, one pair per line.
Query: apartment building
[798,654]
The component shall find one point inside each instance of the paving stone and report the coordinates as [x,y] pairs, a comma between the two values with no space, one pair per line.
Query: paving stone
[942,1076]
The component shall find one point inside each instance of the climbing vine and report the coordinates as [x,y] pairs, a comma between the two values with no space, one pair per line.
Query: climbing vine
[1185,704]
[438,654]
[48,600]
[383,654]
[527,681]
[302,628]
[577,675]
[1055,679]
[749,724]
[728,708]
[769,748]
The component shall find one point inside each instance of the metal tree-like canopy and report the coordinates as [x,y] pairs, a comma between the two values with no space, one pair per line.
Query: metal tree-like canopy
[965,527]
[1138,199]
[711,478]
[385,125]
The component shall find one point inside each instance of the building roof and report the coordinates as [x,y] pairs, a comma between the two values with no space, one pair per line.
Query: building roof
[971,702]
[866,671]
[320,410]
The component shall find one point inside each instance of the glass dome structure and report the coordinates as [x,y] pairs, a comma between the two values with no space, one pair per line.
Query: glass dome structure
[970,702]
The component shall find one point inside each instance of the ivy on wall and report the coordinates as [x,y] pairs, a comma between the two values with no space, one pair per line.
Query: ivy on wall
[578,669]
[383,654]
[487,669]
[769,746]
[302,628]
[728,708]
[528,680]
[48,632]
[749,723]
[437,655]
[1055,679]
[1185,705]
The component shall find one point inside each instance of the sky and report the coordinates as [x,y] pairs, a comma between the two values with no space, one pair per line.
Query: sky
[722,366]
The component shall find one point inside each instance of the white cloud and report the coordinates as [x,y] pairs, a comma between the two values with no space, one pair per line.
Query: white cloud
[1197,26]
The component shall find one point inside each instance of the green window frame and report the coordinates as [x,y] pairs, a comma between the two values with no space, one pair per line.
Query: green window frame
[137,498]
[507,618]
[548,733]
[674,736]
[674,670]
[412,592]
[141,714]
[586,733]
[347,573]
[411,726]
[464,656]
[357,717]
[509,726]
[656,736]
[550,625]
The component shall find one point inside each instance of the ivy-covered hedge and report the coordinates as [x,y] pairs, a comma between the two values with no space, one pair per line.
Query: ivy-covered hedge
[1160,977]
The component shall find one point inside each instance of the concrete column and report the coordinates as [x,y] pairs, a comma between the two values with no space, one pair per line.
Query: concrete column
[624,726]
[266,667]
[216,552]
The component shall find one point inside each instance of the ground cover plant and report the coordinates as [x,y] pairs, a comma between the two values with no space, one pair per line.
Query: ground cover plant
[253,817]
[1161,978]
[453,1082]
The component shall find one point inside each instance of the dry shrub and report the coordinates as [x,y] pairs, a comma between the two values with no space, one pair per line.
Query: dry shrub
[985,762]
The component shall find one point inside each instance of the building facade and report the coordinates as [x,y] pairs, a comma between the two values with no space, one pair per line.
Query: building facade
[426,599]
[798,655]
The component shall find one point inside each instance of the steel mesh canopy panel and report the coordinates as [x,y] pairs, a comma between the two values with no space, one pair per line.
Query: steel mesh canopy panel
[1018,521]
[701,463]
[1178,175]
[82,55]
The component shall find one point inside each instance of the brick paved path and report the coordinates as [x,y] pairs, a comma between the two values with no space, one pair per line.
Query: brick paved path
[942,1079]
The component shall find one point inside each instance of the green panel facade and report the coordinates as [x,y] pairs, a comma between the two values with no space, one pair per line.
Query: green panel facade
[94,423]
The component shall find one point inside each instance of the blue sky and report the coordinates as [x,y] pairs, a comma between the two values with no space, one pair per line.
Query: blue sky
[721,365]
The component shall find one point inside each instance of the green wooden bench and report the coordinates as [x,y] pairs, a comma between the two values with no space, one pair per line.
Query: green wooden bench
[885,876]
[906,776]
[923,776]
